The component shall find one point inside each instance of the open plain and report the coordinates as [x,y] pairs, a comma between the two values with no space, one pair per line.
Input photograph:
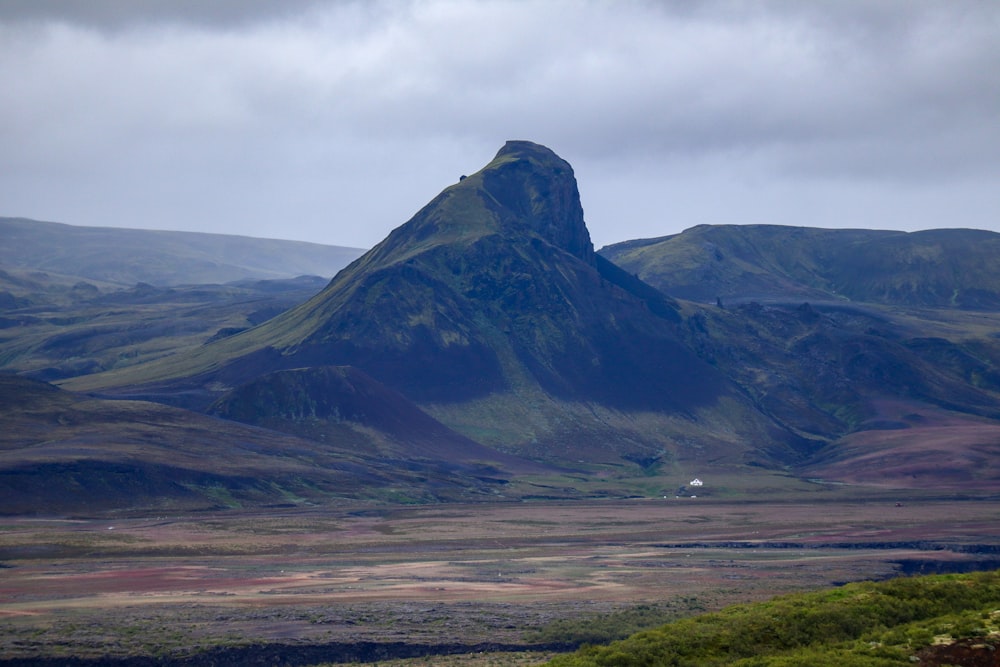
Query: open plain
[407,581]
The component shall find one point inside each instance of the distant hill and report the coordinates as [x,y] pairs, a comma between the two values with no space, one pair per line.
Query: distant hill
[948,268]
[125,257]
[52,330]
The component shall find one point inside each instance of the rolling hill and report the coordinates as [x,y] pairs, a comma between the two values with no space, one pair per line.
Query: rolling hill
[942,268]
[54,331]
[124,257]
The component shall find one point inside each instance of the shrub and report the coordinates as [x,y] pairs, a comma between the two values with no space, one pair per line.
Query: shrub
[865,624]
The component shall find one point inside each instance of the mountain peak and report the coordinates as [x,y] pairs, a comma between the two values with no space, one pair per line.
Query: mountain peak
[530,182]
[522,149]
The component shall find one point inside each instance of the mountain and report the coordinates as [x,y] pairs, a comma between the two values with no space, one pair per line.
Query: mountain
[486,332]
[490,310]
[493,283]
[124,257]
[944,268]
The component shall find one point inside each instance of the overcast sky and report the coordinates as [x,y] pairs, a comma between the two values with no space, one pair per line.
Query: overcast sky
[335,121]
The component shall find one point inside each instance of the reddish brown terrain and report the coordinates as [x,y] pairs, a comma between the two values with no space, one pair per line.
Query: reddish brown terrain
[916,446]
[445,575]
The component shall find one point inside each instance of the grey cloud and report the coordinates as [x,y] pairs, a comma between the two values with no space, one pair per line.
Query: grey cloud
[166,113]
[119,14]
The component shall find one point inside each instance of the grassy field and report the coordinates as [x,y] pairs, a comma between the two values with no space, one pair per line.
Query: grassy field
[518,575]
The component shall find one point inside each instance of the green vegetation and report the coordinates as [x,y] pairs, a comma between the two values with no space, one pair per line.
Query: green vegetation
[942,268]
[607,627]
[869,624]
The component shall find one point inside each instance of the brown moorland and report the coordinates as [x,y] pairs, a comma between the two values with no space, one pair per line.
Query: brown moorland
[913,445]
[444,577]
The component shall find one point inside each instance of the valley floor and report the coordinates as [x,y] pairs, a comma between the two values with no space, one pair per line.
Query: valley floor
[510,576]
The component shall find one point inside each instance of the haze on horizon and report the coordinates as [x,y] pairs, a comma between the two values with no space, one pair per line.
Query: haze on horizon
[334,121]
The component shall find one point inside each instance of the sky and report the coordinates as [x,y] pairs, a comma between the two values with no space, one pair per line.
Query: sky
[334,121]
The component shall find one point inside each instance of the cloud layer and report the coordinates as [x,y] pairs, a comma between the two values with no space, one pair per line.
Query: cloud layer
[335,121]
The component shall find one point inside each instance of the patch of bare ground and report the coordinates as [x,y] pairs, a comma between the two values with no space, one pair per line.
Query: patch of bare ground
[448,575]
[980,652]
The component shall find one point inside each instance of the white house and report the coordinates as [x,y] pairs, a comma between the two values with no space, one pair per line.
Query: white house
[696,482]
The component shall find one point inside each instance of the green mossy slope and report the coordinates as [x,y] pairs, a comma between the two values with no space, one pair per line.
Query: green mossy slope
[943,268]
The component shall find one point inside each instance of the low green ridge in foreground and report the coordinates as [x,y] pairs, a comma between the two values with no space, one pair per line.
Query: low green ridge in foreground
[903,621]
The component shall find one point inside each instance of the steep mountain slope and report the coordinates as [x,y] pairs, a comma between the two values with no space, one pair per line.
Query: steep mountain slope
[494,281]
[491,311]
[954,268]
[124,257]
